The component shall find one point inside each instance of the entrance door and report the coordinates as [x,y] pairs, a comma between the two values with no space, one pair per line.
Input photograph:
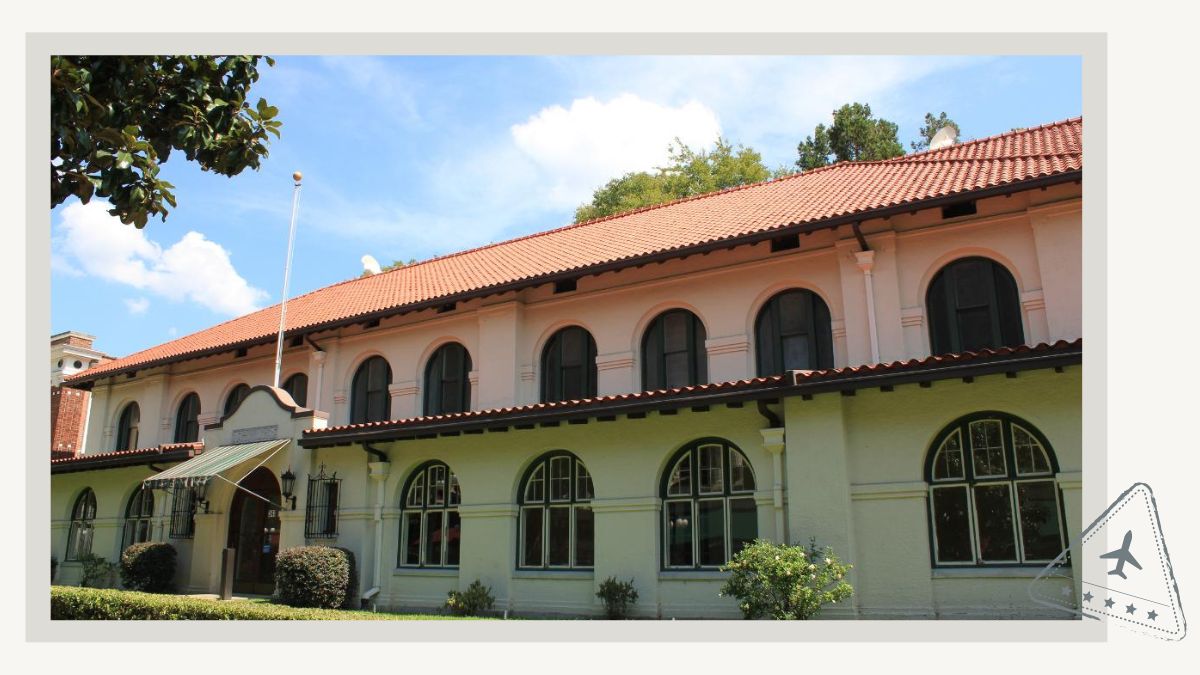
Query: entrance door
[254,532]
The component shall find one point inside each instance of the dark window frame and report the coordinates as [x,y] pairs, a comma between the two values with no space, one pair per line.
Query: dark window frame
[555,374]
[127,427]
[321,506]
[694,495]
[363,397]
[142,500]
[452,499]
[83,517]
[289,385]
[1010,479]
[183,513]
[1003,307]
[187,419]
[574,502]
[234,398]
[769,333]
[654,352]
[435,402]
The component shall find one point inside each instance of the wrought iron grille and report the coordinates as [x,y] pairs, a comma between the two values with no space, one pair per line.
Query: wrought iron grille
[320,511]
[183,513]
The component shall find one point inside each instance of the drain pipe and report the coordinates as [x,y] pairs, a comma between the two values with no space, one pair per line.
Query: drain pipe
[377,471]
[773,443]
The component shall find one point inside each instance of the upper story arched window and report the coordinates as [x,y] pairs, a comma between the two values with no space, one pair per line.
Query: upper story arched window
[793,332]
[973,304]
[235,398]
[127,427]
[569,365]
[369,398]
[993,497]
[187,419]
[447,380]
[709,512]
[297,387]
[139,518]
[556,514]
[673,353]
[430,529]
[83,515]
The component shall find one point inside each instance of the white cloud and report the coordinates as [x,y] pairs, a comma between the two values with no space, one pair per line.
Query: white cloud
[192,269]
[137,305]
[581,147]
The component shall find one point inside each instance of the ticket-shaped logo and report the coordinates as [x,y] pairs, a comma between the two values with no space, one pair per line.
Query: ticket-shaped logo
[1124,572]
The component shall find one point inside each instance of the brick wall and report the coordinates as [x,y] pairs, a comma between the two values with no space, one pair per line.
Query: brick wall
[68,412]
[74,341]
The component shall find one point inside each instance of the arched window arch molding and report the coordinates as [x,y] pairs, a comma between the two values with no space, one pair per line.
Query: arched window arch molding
[308,384]
[225,406]
[1023,322]
[591,376]
[355,363]
[648,381]
[424,372]
[352,392]
[760,305]
[177,433]
[539,345]
[82,524]
[430,524]
[648,317]
[119,443]
[547,515]
[431,348]
[960,253]
[764,296]
[139,517]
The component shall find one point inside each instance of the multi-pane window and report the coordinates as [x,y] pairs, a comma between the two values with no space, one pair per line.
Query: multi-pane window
[673,352]
[321,508]
[183,513]
[709,512]
[430,528]
[447,381]
[569,366]
[83,516]
[127,427]
[187,419]
[557,524]
[973,304]
[139,518]
[235,398]
[369,398]
[993,498]
[793,332]
[297,387]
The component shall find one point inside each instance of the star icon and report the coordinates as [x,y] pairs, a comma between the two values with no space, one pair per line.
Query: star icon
[1087,597]
[1108,602]
[1152,615]
[1130,609]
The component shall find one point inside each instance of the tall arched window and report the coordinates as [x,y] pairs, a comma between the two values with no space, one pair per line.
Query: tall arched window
[127,427]
[556,514]
[709,512]
[187,419]
[297,387]
[447,383]
[369,398]
[793,332]
[673,353]
[139,518]
[569,366]
[973,304]
[79,537]
[235,397]
[430,529]
[993,498]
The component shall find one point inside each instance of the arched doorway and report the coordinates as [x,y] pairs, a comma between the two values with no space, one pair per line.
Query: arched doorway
[254,532]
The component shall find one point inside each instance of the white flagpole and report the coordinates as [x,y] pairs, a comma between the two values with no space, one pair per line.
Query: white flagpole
[287,274]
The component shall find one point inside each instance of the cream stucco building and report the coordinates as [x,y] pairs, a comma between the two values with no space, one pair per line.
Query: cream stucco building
[885,356]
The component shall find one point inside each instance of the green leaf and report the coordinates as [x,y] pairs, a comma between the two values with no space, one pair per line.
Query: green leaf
[124,159]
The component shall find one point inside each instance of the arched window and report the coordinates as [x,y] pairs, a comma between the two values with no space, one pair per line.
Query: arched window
[369,399]
[556,514]
[993,497]
[297,387]
[569,366]
[430,529]
[793,332]
[973,304]
[447,385]
[673,353]
[79,538]
[709,512]
[235,397]
[139,518]
[187,419]
[127,427]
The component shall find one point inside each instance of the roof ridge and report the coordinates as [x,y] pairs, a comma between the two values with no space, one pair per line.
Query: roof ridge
[985,139]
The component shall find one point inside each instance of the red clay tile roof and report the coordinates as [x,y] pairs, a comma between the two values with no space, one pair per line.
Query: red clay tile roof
[793,383]
[164,452]
[811,198]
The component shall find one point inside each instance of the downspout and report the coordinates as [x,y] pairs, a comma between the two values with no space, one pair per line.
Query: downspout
[377,471]
[866,262]
[773,443]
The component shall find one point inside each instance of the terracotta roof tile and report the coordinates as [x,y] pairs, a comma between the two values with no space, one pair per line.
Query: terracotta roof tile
[99,457]
[809,198]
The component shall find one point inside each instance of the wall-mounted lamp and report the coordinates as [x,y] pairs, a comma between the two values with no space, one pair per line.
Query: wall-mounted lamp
[200,494]
[289,485]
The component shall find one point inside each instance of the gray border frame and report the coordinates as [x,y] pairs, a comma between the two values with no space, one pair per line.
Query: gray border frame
[1093,49]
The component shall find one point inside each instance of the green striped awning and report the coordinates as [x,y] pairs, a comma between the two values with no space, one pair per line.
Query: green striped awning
[200,469]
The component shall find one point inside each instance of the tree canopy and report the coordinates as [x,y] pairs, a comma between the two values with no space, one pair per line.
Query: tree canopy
[690,173]
[855,135]
[116,119]
[931,127]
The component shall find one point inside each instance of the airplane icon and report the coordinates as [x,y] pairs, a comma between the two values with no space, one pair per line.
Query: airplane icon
[1122,556]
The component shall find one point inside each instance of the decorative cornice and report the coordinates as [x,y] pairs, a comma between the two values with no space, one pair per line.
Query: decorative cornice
[1033,300]
[912,316]
[406,388]
[614,361]
[730,344]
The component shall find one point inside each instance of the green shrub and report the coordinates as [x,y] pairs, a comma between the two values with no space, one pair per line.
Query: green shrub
[53,567]
[471,602]
[618,597]
[148,566]
[96,571]
[776,581]
[312,576]
[352,600]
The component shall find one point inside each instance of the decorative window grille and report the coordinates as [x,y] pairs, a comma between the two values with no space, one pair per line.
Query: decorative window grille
[183,513]
[321,510]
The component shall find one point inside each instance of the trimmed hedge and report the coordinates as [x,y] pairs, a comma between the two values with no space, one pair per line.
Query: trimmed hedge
[70,602]
[352,600]
[312,576]
[149,567]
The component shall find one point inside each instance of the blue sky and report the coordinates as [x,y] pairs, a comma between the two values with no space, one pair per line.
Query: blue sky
[411,157]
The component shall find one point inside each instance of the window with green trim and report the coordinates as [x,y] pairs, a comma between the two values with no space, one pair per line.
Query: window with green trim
[369,397]
[709,512]
[139,518]
[127,427]
[569,365]
[187,419]
[430,527]
[793,332]
[973,304]
[447,380]
[673,352]
[83,517]
[556,522]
